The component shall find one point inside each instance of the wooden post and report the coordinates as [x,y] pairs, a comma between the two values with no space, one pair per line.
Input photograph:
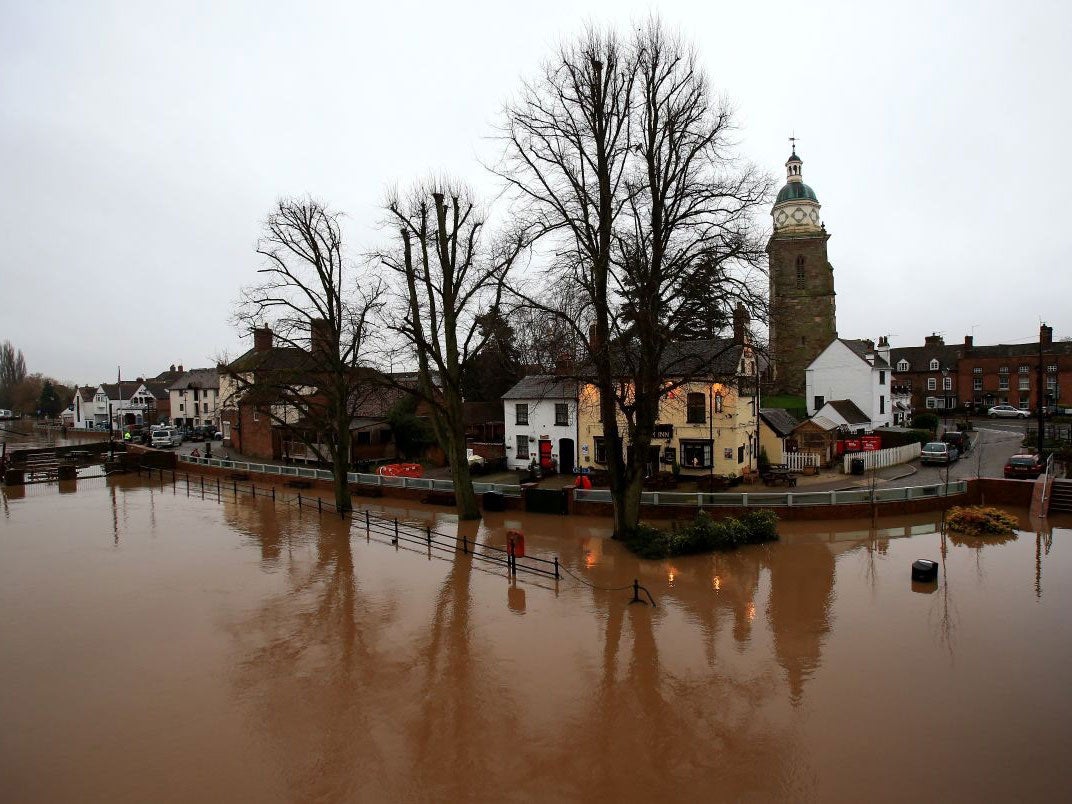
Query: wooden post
[252,489]
[395,539]
[368,527]
[319,504]
[556,568]
[299,500]
[273,493]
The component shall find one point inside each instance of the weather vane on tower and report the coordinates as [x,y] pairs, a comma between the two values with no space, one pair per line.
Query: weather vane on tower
[793,141]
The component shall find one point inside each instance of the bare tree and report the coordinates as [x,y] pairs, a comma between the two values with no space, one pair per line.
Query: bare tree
[12,373]
[623,161]
[321,312]
[449,278]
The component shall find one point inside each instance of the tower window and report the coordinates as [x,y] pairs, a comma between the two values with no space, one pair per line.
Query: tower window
[800,271]
[801,340]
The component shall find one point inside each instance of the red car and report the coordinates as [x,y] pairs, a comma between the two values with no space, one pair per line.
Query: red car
[1029,466]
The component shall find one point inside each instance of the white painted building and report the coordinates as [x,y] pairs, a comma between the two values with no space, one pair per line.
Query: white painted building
[541,423]
[853,370]
[90,408]
[195,398]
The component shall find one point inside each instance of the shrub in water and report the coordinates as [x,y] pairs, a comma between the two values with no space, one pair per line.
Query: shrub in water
[977,520]
[704,534]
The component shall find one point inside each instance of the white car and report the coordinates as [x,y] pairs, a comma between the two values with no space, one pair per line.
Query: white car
[165,437]
[1007,411]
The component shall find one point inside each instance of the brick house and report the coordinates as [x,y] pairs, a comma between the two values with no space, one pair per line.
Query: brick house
[928,372]
[1009,373]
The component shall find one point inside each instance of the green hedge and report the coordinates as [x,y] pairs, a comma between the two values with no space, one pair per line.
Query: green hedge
[704,535]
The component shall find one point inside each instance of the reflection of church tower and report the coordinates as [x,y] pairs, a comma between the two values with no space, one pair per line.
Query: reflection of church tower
[802,589]
[802,321]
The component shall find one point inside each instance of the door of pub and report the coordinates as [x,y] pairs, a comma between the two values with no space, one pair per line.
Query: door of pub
[545,454]
[566,458]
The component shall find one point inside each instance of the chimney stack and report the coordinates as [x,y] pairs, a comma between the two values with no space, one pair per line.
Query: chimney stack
[741,321]
[1046,335]
[320,337]
[262,339]
[593,339]
[934,339]
[180,368]
[172,367]
[969,342]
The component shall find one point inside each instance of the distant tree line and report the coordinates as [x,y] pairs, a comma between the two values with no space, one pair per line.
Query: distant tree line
[29,394]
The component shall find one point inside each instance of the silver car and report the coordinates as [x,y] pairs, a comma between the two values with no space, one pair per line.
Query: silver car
[1008,412]
[938,452]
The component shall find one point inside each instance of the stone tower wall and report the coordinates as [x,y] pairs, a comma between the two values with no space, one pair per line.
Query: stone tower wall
[802,312]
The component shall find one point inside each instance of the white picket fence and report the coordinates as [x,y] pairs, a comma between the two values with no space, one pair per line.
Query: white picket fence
[884,457]
[801,460]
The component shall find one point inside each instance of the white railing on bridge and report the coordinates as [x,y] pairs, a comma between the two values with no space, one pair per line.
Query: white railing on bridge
[881,458]
[312,473]
[783,499]
[798,461]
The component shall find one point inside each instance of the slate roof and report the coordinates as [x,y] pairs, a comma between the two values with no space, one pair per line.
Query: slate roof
[197,378]
[159,390]
[713,358]
[128,387]
[543,386]
[780,421]
[86,391]
[278,358]
[847,409]
[919,357]
[1019,350]
[862,349]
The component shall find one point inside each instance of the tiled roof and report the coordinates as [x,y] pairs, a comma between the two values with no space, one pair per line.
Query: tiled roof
[1019,350]
[779,420]
[278,358]
[848,410]
[543,386]
[919,357]
[862,349]
[127,387]
[197,378]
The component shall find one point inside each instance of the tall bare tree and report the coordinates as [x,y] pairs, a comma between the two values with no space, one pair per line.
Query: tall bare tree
[622,159]
[449,279]
[321,311]
[12,373]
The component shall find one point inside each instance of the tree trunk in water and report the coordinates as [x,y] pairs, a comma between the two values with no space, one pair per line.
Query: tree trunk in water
[343,502]
[627,506]
[464,496]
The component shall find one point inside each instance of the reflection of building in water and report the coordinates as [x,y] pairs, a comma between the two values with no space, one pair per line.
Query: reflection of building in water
[802,586]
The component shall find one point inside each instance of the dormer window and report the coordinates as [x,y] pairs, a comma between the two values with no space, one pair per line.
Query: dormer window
[934,365]
[902,365]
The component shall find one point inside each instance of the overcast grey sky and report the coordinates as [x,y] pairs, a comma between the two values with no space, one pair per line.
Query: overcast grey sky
[142,144]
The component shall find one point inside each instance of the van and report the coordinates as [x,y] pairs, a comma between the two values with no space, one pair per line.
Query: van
[165,437]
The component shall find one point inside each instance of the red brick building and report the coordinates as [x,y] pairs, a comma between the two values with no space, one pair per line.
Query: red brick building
[1009,373]
[974,377]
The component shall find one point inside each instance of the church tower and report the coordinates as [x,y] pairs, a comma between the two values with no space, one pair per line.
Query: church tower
[802,321]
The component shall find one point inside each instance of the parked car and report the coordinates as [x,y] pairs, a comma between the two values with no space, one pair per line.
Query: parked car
[938,452]
[958,439]
[164,437]
[1007,412]
[195,434]
[1027,466]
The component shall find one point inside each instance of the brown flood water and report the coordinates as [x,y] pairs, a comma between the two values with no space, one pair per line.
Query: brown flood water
[163,648]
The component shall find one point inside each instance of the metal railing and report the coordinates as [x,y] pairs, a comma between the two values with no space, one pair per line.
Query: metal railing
[786,499]
[312,473]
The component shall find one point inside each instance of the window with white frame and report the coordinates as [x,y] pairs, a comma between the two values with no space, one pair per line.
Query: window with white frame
[1003,370]
[561,414]
[947,383]
[600,449]
[977,370]
[931,402]
[521,413]
[1003,382]
[932,384]
[1025,383]
[1025,369]
[934,364]
[977,384]
[696,454]
[523,447]
[902,365]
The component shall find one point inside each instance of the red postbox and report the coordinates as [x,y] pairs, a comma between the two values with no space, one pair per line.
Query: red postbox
[515,540]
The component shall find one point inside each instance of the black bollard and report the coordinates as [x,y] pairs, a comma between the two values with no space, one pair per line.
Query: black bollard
[368,527]
[556,568]
[320,505]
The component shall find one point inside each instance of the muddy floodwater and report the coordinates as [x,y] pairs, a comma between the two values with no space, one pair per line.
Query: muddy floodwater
[164,647]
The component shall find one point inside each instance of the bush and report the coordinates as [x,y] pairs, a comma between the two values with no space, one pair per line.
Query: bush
[925,421]
[704,535]
[977,520]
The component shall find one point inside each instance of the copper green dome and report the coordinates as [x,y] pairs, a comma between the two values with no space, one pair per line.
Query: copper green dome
[796,191]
